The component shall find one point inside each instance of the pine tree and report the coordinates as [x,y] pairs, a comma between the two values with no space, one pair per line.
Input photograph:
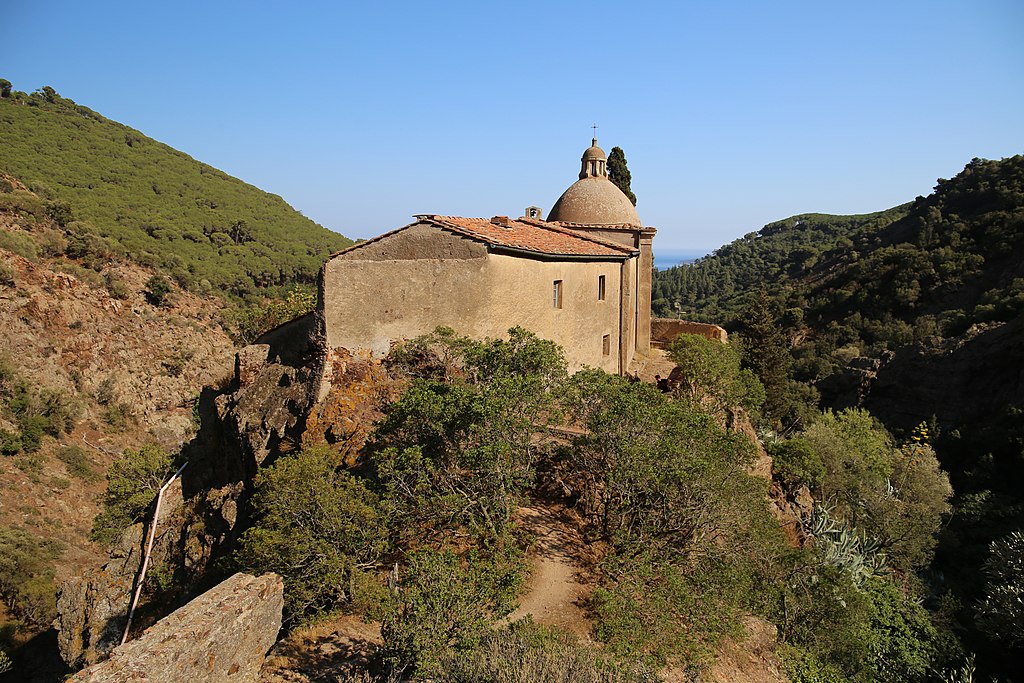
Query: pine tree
[619,174]
[765,350]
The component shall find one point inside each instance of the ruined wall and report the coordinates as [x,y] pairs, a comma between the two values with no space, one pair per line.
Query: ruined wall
[434,278]
[665,330]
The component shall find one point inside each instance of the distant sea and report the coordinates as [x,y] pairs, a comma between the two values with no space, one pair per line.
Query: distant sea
[666,258]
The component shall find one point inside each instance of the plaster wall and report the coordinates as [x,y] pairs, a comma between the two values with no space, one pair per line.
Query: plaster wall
[367,302]
[521,293]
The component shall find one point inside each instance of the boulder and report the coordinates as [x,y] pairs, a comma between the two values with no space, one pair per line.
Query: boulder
[223,635]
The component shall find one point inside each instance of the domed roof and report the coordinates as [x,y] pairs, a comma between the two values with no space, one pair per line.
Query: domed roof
[594,200]
[594,152]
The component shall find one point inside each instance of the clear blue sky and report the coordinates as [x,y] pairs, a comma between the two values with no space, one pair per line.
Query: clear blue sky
[731,114]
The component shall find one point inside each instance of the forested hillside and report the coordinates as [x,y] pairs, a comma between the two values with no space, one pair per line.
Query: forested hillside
[916,314]
[716,288]
[116,188]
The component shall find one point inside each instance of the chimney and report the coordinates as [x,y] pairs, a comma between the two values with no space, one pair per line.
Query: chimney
[502,221]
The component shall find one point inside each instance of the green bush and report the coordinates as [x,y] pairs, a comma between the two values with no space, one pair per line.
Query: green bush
[10,443]
[458,456]
[118,416]
[317,526]
[1001,613]
[157,290]
[77,463]
[525,652]
[132,483]
[19,243]
[795,463]
[445,606]
[7,274]
[712,378]
[251,322]
[26,575]
[116,286]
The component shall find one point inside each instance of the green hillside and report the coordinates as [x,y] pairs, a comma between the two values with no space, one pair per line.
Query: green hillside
[717,287]
[917,315]
[157,205]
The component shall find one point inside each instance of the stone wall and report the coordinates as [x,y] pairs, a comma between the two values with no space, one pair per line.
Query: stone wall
[665,330]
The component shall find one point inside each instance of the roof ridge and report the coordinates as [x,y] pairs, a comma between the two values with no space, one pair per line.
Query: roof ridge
[555,227]
[520,234]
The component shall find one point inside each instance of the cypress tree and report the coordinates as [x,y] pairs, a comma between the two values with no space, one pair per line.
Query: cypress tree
[765,350]
[619,174]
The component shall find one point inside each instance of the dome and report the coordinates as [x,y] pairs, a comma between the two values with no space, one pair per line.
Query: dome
[594,200]
[594,152]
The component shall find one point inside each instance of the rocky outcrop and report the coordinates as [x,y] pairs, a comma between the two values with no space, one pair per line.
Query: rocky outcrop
[963,381]
[92,609]
[223,635]
[244,426]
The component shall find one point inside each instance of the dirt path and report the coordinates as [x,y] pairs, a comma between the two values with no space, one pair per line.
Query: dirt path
[558,585]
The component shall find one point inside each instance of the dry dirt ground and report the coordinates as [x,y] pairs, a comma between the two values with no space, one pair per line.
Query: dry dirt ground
[562,578]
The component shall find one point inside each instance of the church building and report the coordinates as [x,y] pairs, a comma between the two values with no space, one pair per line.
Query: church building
[581,277]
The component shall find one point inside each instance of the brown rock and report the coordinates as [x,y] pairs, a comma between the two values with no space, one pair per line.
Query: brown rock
[223,635]
[249,361]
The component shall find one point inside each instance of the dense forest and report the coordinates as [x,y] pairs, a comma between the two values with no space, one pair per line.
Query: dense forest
[119,191]
[916,315]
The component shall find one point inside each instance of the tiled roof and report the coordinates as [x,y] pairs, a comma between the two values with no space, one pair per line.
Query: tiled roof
[520,234]
[530,235]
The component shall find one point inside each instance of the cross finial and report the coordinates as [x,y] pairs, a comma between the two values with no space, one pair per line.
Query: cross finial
[595,133]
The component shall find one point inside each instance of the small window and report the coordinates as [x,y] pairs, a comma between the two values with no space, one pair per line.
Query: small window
[606,344]
[557,295]
[600,287]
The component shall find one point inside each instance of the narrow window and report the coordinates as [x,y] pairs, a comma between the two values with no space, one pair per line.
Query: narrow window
[557,297]
[606,344]
[600,287]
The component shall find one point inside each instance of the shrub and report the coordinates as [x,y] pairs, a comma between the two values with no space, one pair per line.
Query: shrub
[1001,614]
[10,443]
[712,376]
[26,574]
[118,416]
[59,212]
[251,322]
[445,607]
[116,285]
[157,290]
[7,274]
[77,463]
[175,364]
[132,483]
[317,526]
[795,463]
[19,243]
[527,653]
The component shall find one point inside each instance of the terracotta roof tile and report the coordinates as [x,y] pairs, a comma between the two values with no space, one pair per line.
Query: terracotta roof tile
[530,235]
